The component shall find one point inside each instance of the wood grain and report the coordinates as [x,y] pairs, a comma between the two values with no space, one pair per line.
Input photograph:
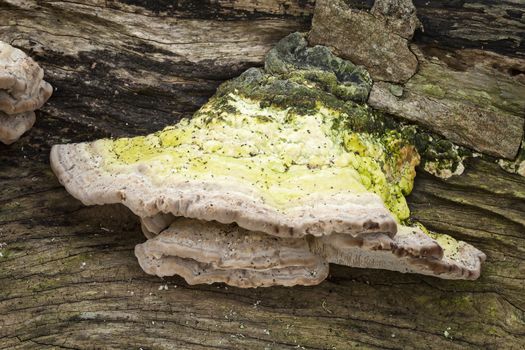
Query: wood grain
[68,277]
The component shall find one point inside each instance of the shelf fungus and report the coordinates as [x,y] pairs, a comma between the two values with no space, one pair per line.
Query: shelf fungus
[22,91]
[203,251]
[284,170]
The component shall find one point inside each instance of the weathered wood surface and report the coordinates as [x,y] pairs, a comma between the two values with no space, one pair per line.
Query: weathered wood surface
[68,277]
[472,97]
[495,25]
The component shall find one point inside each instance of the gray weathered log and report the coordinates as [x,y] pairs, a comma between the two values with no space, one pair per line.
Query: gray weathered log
[68,276]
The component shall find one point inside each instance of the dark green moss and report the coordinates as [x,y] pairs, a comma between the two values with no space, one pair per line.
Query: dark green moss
[304,79]
[319,65]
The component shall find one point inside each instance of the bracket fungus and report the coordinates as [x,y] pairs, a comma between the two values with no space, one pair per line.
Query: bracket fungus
[282,171]
[410,250]
[212,252]
[13,126]
[22,90]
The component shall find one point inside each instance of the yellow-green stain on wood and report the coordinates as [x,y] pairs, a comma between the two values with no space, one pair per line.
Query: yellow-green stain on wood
[286,156]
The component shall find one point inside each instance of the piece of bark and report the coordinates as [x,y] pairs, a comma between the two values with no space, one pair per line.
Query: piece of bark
[399,16]
[467,96]
[365,39]
[477,24]
[515,166]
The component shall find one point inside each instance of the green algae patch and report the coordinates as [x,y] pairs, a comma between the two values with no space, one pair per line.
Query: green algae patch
[285,155]
[293,129]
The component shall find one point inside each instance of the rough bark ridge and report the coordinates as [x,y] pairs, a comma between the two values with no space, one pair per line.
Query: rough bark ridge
[68,277]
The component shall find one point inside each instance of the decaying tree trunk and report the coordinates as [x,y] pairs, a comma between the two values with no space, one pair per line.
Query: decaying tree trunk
[68,276]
